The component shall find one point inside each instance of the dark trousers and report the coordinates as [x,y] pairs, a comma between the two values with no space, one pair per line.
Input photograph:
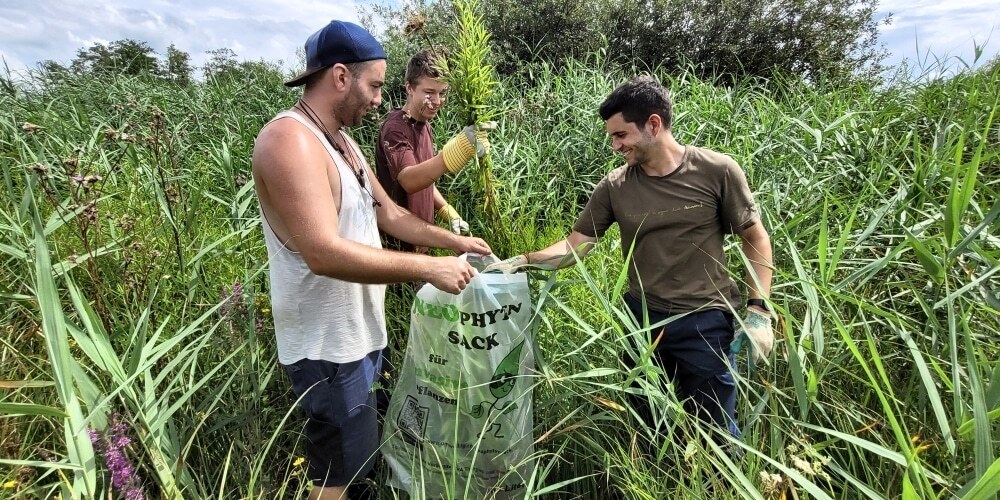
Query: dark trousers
[694,353]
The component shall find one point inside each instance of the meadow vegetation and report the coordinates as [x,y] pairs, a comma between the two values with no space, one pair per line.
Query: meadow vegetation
[137,349]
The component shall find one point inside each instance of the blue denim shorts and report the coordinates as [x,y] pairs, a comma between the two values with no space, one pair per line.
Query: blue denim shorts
[342,427]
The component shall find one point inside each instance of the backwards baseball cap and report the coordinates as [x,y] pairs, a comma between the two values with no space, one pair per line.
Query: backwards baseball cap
[338,42]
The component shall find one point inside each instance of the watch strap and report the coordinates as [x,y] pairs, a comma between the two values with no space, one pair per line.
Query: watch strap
[759,303]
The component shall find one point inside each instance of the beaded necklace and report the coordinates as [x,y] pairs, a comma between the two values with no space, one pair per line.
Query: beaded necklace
[348,157]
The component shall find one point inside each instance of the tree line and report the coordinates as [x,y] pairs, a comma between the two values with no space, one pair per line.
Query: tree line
[726,39]
[830,40]
[135,57]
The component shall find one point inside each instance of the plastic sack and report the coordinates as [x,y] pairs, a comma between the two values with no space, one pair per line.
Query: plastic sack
[459,424]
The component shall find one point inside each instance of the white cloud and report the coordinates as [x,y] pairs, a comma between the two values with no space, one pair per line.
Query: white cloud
[922,28]
[273,30]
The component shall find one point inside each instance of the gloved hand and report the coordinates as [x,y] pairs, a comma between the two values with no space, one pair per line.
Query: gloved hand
[508,266]
[448,213]
[757,329]
[471,140]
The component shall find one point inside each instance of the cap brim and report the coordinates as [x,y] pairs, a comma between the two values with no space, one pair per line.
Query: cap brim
[301,78]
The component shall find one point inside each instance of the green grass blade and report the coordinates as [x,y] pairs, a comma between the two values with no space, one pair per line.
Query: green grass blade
[20,409]
[933,396]
[953,206]
[926,257]
[78,446]
[984,441]
[987,485]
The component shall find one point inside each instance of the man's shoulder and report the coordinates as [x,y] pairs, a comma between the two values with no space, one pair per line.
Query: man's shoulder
[394,120]
[710,158]
[283,125]
[281,142]
[396,129]
[617,175]
[277,133]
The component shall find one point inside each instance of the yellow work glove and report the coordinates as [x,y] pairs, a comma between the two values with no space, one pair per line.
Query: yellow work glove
[507,266]
[757,329]
[448,213]
[470,141]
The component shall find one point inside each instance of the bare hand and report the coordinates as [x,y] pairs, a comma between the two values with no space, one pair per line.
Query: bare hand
[450,274]
[468,244]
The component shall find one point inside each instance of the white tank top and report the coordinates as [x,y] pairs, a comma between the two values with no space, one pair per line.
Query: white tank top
[322,318]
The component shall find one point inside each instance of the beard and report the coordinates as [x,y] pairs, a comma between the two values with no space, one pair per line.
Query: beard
[640,151]
[637,156]
[353,110]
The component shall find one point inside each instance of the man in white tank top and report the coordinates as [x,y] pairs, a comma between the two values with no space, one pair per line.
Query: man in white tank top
[321,213]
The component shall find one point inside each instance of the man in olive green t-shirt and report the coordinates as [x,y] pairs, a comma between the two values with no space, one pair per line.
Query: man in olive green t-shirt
[674,204]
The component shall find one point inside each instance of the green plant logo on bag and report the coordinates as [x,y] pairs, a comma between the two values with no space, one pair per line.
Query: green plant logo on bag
[501,384]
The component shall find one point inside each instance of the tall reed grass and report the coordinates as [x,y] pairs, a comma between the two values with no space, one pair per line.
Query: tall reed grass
[132,280]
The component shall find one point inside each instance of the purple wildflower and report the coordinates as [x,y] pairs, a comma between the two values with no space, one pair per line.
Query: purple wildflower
[113,444]
[232,300]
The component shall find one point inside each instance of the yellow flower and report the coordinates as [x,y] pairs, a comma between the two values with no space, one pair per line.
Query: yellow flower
[9,484]
[298,461]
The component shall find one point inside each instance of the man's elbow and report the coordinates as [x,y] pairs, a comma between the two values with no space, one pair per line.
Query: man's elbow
[323,263]
[411,185]
[758,242]
[319,267]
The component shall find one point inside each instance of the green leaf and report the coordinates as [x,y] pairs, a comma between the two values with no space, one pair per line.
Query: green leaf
[987,486]
[79,449]
[15,409]
[909,493]
[927,259]
[944,425]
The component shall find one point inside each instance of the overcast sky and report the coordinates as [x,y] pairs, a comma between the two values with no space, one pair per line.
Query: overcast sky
[36,30]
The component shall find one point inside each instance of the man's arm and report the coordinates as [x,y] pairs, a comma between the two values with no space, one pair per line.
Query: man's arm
[403,225]
[455,154]
[296,194]
[757,325]
[401,154]
[757,248]
[560,254]
[439,200]
[555,256]
[413,178]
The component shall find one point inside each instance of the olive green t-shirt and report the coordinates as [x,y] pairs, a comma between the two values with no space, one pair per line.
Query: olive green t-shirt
[677,223]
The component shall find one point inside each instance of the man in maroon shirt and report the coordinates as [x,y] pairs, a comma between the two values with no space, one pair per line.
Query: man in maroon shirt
[407,168]
[405,160]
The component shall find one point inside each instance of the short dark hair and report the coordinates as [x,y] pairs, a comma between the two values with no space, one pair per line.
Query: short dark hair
[423,63]
[636,99]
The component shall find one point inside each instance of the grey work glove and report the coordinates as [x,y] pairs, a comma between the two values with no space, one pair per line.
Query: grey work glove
[757,329]
[508,266]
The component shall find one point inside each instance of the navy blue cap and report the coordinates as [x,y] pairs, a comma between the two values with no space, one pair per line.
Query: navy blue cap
[338,42]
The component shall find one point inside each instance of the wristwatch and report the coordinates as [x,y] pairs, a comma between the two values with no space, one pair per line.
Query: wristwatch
[759,303]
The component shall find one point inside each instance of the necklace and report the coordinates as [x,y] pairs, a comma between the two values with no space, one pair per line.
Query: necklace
[348,157]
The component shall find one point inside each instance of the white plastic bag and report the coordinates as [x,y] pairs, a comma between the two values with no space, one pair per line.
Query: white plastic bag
[459,424]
